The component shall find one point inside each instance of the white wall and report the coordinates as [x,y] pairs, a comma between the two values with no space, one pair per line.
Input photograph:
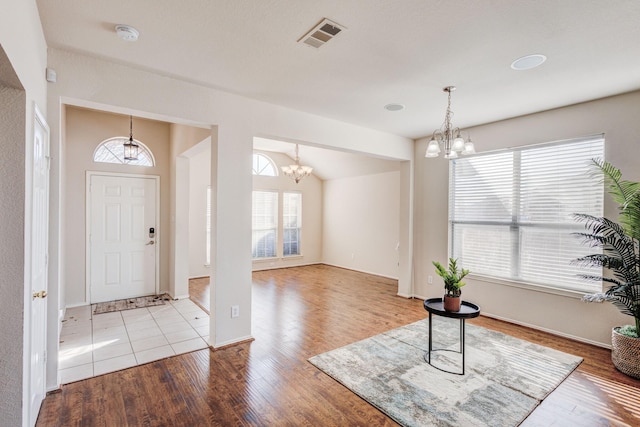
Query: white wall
[617,118]
[199,177]
[22,63]
[311,236]
[361,223]
[234,121]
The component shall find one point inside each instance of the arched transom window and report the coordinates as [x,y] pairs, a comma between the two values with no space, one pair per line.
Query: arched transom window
[263,165]
[112,151]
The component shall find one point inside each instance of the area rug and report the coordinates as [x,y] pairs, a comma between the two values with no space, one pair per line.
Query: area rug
[129,303]
[505,378]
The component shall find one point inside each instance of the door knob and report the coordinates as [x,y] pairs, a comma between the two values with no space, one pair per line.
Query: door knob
[41,294]
[151,242]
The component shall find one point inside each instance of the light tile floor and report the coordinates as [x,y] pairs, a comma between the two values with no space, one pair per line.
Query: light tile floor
[92,345]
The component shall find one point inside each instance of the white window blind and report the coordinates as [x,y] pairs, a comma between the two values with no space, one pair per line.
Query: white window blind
[264,224]
[510,212]
[292,222]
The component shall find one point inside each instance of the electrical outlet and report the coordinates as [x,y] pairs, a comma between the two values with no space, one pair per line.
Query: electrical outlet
[430,280]
[235,311]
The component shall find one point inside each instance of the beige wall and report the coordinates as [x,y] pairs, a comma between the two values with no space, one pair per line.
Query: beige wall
[312,228]
[85,130]
[361,223]
[617,118]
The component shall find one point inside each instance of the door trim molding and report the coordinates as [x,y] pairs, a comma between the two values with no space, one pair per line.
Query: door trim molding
[87,233]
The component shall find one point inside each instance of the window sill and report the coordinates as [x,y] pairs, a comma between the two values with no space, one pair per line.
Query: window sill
[273,259]
[529,286]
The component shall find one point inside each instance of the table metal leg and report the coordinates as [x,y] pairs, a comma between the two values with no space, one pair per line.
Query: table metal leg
[462,342]
[430,337]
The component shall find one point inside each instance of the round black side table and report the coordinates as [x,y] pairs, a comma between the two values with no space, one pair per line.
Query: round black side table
[467,311]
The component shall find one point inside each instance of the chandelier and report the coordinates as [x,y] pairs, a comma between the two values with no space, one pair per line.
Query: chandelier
[296,172]
[130,146]
[448,138]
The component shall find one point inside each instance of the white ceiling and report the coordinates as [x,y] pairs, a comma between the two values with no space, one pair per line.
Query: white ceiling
[402,51]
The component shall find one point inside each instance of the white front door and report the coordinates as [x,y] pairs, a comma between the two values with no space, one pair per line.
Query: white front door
[123,236]
[39,270]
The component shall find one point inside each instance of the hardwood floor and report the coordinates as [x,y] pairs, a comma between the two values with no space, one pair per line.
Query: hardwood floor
[297,313]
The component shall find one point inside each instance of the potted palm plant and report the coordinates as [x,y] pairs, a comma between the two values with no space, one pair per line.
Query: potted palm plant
[452,283]
[620,255]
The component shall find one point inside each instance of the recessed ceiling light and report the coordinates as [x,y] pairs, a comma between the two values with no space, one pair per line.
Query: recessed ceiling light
[528,62]
[394,107]
[127,32]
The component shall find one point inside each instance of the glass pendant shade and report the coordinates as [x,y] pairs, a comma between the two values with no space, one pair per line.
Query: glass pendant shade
[433,149]
[469,148]
[458,143]
[130,147]
[131,150]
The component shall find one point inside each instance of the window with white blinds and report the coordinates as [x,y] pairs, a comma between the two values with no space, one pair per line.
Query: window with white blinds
[510,212]
[291,223]
[264,224]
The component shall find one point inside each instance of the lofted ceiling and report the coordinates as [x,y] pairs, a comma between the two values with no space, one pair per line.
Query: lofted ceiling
[329,164]
[389,52]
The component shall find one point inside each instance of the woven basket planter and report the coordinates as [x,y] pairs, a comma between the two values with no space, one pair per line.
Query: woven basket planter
[625,353]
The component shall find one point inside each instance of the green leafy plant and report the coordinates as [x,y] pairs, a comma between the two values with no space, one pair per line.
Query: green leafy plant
[620,244]
[452,277]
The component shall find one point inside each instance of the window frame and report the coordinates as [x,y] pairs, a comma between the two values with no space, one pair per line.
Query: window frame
[120,158]
[270,163]
[298,228]
[277,225]
[516,225]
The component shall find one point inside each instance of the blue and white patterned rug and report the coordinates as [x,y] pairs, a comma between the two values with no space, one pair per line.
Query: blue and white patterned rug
[505,378]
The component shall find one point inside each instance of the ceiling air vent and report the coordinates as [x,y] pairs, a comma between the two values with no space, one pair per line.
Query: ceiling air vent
[321,33]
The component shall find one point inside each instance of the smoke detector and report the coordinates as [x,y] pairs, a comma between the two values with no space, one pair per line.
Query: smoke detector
[321,33]
[127,32]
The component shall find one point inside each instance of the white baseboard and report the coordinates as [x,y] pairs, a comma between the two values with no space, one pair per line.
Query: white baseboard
[277,267]
[80,304]
[407,296]
[549,331]
[359,271]
[231,342]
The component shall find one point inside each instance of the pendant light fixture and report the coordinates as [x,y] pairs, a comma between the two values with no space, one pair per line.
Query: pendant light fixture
[448,138]
[296,172]
[131,147]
